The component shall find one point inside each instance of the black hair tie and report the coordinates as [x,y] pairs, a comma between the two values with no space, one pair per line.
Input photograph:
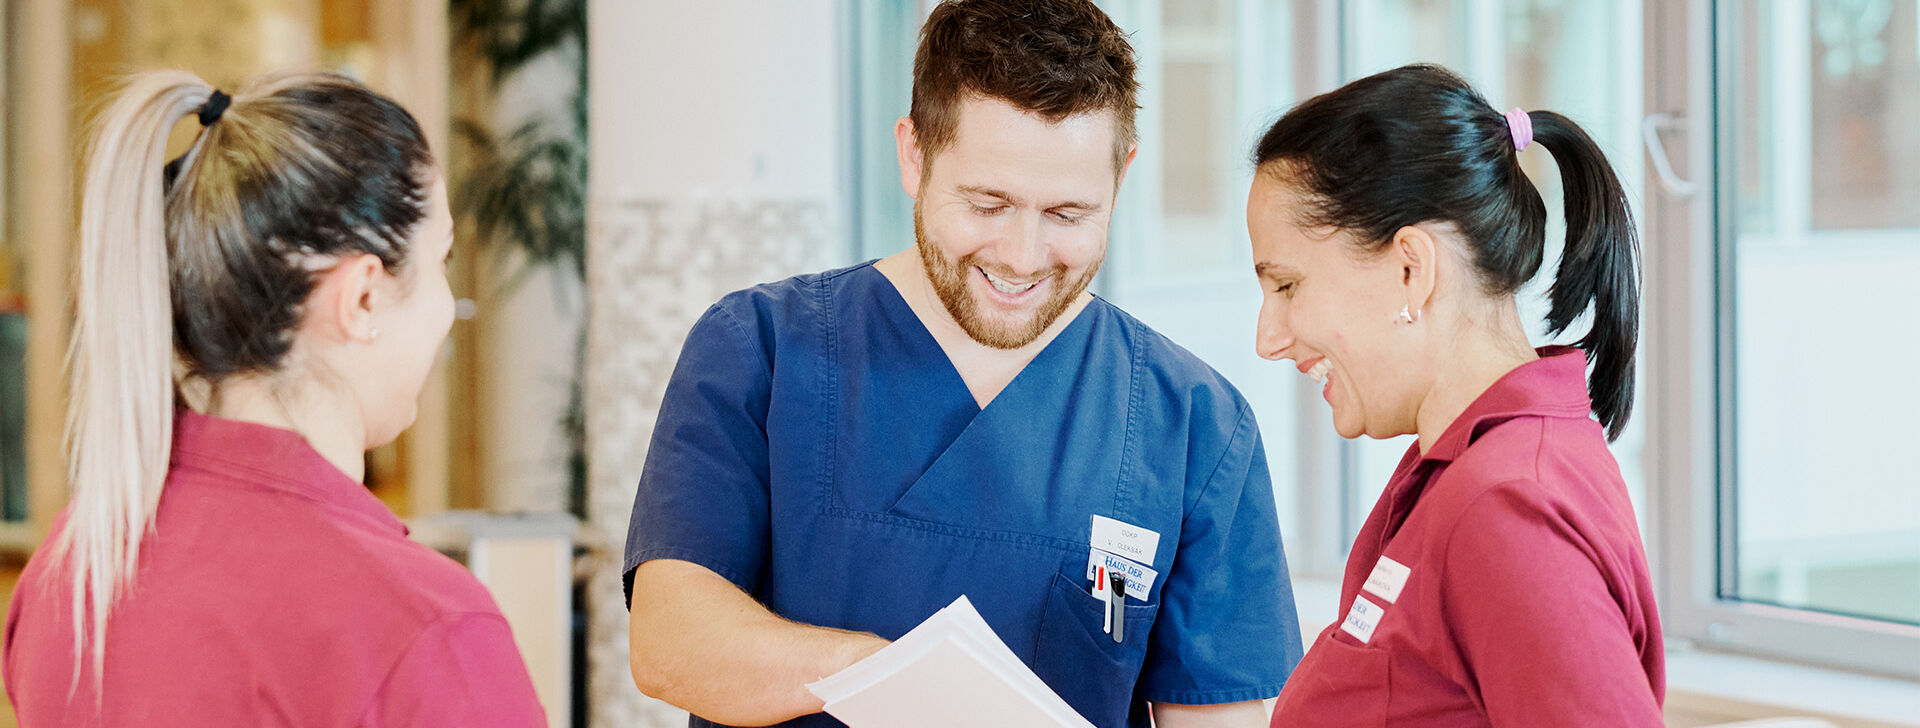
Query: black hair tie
[215,106]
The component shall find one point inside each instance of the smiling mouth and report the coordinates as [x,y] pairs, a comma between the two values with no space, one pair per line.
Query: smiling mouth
[1320,371]
[1005,286]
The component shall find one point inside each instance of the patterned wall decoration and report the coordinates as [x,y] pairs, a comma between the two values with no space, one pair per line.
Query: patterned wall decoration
[653,266]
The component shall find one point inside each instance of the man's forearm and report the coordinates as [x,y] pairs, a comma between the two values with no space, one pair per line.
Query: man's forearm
[1250,714]
[703,645]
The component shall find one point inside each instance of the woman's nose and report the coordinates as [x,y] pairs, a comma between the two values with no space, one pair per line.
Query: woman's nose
[1272,337]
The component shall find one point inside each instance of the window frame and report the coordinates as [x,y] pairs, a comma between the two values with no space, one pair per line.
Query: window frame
[1688,346]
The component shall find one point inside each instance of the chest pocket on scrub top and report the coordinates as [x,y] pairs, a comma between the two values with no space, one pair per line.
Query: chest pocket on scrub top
[1080,660]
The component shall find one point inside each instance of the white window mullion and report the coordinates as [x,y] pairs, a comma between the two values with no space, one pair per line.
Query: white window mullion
[1790,107]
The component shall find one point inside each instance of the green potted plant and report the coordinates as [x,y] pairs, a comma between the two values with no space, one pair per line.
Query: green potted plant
[526,191]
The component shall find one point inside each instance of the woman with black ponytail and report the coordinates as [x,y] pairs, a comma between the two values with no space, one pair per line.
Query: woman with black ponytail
[1500,579]
[252,318]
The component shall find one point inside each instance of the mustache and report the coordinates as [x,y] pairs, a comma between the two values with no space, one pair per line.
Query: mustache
[972,260]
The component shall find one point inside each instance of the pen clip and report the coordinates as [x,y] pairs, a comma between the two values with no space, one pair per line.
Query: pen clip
[1106,599]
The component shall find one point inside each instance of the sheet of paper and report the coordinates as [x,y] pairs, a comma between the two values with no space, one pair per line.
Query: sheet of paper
[951,671]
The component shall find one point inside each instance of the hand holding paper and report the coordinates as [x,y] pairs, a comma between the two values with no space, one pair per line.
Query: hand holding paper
[952,671]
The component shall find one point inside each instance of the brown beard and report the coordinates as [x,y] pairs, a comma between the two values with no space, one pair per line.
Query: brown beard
[949,278]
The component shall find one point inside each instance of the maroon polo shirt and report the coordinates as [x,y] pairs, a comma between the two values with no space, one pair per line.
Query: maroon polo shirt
[274,590]
[1521,595]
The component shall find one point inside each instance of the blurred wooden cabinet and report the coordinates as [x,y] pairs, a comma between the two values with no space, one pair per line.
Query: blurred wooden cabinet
[38,93]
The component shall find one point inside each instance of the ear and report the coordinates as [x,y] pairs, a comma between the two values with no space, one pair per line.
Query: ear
[1416,251]
[907,145]
[1132,151]
[345,297]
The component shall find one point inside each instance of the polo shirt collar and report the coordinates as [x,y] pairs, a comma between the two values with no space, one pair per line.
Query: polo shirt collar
[1555,385]
[273,458]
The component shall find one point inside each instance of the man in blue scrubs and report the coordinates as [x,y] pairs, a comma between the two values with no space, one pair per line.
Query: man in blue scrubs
[840,455]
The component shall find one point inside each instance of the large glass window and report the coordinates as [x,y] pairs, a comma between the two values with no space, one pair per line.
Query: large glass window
[1821,247]
[880,92]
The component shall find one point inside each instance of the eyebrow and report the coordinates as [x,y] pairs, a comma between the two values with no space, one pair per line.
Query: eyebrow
[1266,269]
[1008,198]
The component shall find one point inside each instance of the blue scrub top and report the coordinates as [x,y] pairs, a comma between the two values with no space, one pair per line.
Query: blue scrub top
[817,448]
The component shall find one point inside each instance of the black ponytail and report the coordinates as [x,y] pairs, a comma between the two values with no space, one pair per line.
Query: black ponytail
[1417,144]
[1600,264]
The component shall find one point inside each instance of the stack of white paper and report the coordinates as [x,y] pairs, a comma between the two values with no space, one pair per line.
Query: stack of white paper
[951,671]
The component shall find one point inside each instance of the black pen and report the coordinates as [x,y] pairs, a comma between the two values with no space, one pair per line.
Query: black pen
[1119,606]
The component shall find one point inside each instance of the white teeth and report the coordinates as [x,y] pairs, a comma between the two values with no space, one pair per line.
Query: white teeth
[1005,287]
[1320,371]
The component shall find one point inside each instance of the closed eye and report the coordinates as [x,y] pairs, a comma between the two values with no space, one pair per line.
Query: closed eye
[988,210]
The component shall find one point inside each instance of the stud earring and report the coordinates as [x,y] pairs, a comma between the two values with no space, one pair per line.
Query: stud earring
[1405,316]
[373,334]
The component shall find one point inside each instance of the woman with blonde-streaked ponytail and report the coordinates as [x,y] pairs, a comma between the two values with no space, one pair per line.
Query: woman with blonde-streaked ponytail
[251,318]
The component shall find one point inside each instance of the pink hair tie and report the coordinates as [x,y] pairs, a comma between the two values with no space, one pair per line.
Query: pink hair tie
[1521,126]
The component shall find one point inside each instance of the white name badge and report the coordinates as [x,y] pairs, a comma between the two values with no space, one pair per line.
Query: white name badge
[1362,619]
[1125,539]
[1387,579]
[1139,578]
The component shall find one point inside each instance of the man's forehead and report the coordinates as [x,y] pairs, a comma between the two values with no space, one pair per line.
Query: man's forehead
[985,120]
[996,145]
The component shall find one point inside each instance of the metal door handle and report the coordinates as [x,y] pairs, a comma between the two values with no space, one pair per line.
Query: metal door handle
[1657,151]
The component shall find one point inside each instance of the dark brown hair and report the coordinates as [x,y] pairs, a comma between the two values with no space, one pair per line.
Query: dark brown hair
[1055,58]
[298,169]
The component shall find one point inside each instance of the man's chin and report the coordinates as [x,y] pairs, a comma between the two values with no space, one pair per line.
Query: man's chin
[1008,332]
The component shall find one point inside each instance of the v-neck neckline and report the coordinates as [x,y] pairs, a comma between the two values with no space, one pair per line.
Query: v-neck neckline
[903,312]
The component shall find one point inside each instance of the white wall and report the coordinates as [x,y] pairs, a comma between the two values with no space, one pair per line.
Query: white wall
[728,95]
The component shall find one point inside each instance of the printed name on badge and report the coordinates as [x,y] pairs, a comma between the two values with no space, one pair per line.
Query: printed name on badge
[1362,619]
[1139,578]
[1387,579]
[1125,539]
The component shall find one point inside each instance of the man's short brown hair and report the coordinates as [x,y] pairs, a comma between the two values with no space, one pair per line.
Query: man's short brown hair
[1055,58]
